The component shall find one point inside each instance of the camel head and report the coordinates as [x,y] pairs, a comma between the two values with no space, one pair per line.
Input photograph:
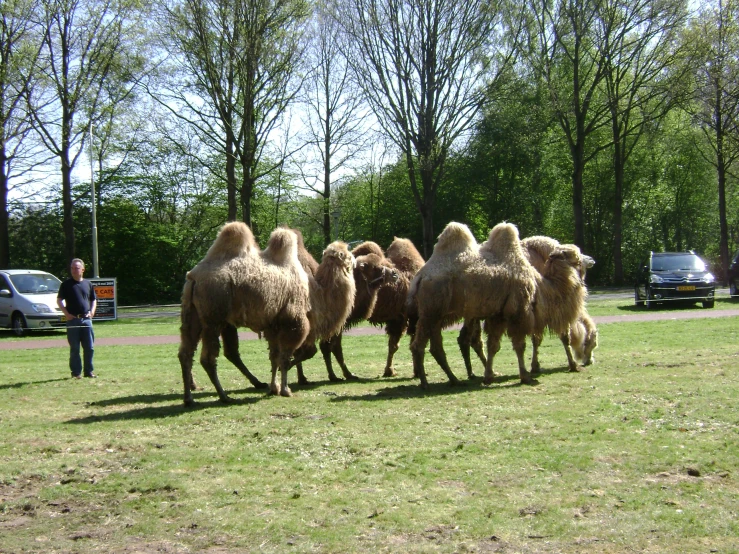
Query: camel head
[367,247]
[337,254]
[374,271]
[581,262]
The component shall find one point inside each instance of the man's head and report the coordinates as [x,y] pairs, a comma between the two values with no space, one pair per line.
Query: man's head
[77,269]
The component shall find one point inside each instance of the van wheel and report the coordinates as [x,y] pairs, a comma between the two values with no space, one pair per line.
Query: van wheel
[734,288]
[19,325]
[708,303]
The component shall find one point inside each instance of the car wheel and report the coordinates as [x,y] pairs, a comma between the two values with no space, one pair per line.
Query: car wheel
[708,303]
[733,288]
[637,300]
[19,325]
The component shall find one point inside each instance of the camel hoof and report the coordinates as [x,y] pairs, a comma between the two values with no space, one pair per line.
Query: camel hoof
[526,379]
[390,372]
[260,385]
[575,369]
[334,379]
[226,399]
[286,392]
[350,376]
[189,402]
[303,381]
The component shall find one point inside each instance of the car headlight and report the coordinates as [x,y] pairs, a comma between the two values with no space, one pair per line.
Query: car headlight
[655,278]
[41,308]
[709,278]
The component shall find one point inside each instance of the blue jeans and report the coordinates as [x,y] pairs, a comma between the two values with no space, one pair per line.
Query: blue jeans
[79,332]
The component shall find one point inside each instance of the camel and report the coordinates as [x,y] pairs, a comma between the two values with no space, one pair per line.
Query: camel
[236,285]
[493,282]
[371,272]
[366,304]
[565,307]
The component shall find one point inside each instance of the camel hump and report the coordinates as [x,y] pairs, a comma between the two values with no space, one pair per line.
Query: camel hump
[368,247]
[282,247]
[502,241]
[403,253]
[234,239]
[456,237]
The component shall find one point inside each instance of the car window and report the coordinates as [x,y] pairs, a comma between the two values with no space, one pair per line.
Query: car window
[688,262]
[35,283]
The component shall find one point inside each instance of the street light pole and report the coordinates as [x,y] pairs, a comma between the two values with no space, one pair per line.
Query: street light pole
[95,272]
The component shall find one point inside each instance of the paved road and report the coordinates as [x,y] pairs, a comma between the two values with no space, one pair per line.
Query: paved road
[652,315]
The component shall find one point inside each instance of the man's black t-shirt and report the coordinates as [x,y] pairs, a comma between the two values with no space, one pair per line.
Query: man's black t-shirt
[78,296]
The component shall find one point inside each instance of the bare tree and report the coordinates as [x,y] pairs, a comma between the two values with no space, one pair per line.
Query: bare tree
[717,29]
[643,74]
[424,66]
[563,50]
[19,47]
[335,119]
[235,76]
[84,47]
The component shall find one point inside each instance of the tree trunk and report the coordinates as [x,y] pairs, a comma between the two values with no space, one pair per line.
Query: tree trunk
[618,201]
[67,207]
[4,233]
[578,163]
[231,179]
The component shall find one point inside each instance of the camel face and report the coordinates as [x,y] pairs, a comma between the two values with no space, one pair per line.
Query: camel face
[374,272]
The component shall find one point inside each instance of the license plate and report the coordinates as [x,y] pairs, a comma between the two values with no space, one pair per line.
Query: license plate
[62,319]
[686,287]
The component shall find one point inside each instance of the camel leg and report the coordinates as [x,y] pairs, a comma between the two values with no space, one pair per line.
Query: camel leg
[418,351]
[284,363]
[565,338]
[208,357]
[338,351]
[326,347]
[302,379]
[535,343]
[469,336]
[476,343]
[494,330]
[394,330]
[230,338]
[519,346]
[186,354]
[437,351]
[274,387]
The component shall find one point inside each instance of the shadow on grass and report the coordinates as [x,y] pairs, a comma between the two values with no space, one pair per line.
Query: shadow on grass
[28,383]
[413,389]
[169,397]
[169,410]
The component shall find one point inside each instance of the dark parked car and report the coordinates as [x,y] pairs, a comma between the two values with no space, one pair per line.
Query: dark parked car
[734,276]
[668,276]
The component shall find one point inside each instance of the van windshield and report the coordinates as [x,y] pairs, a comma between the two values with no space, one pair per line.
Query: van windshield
[688,262]
[35,283]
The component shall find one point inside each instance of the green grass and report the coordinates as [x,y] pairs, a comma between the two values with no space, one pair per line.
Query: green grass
[637,453]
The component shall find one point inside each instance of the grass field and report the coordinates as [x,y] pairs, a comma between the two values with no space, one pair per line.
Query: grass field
[637,453]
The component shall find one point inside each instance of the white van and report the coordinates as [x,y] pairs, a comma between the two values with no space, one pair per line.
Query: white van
[28,300]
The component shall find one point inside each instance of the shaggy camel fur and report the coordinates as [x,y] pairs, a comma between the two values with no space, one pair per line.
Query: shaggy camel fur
[584,339]
[332,290]
[391,308]
[561,305]
[387,304]
[371,271]
[236,285]
[493,282]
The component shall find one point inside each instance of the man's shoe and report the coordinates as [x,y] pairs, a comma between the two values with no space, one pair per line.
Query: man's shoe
[91,375]
[76,376]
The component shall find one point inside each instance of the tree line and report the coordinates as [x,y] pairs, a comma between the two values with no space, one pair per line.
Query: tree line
[612,124]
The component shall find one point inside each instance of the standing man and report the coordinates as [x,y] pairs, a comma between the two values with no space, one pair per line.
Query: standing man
[76,298]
